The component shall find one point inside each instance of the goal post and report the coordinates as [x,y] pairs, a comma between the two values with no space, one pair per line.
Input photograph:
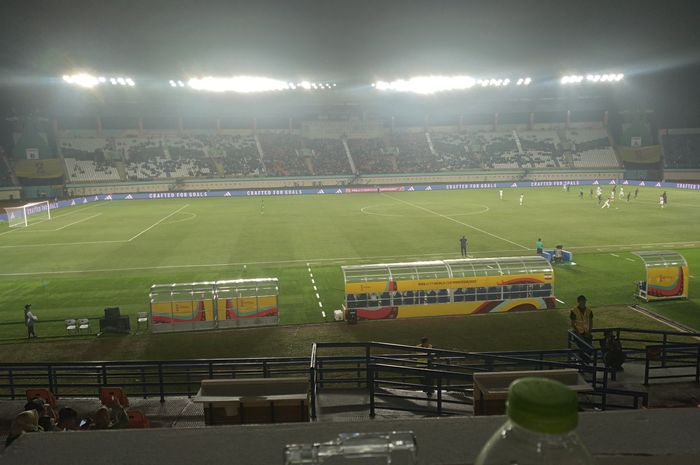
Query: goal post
[26,214]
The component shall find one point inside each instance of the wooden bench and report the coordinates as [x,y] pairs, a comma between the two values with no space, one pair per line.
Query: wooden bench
[254,400]
[491,388]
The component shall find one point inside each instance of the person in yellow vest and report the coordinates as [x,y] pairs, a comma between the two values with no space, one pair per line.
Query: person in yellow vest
[427,381]
[582,319]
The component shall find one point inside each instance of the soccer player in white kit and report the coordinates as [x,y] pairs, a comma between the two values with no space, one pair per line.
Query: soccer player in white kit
[661,201]
[500,194]
[607,203]
[622,192]
[522,196]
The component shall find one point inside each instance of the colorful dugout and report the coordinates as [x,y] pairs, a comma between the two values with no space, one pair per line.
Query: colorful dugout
[449,287]
[214,304]
[666,276]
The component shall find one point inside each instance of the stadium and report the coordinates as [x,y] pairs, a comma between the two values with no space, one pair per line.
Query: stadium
[250,240]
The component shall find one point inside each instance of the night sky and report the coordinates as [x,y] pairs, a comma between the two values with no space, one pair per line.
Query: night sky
[359,40]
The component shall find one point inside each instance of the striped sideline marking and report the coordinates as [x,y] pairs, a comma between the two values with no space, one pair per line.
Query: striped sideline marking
[339,260]
[318,298]
[456,221]
[650,315]
[159,222]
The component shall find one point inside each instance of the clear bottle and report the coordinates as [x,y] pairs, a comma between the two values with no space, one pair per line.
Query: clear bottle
[542,417]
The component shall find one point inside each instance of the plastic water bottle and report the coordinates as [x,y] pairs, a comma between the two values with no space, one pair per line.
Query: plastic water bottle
[542,417]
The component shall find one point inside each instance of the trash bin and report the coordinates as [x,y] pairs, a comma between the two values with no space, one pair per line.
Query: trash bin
[352,316]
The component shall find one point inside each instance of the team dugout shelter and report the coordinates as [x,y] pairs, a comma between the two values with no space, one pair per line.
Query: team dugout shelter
[666,276]
[448,287]
[214,304]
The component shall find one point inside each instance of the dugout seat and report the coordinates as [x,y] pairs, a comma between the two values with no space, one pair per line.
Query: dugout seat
[83,325]
[71,326]
[141,318]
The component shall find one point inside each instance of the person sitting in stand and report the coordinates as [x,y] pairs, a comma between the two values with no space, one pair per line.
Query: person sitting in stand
[613,355]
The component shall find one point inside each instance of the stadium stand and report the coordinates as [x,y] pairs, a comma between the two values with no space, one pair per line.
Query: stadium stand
[680,150]
[591,148]
[499,149]
[238,154]
[91,171]
[454,151]
[329,156]
[370,156]
[414,154]
[5,176]
[540,149]
[151,155]
[282,154]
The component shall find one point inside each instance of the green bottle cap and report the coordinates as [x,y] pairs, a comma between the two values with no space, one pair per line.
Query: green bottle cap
[542,405]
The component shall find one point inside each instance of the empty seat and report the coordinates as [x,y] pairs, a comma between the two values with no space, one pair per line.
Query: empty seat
[83,325]
[71,326]
[141,318]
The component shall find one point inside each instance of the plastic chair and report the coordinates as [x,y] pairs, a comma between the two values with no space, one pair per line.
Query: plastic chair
[83,324]
[43,393]
[137,419]
[107,393]
[141,317]
[71,326]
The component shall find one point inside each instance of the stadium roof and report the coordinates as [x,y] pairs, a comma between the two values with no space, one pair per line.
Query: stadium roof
[361,39]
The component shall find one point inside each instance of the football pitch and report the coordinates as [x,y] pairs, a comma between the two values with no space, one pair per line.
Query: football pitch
[109,253]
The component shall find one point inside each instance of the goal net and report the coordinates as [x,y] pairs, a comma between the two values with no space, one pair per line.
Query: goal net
[27,214]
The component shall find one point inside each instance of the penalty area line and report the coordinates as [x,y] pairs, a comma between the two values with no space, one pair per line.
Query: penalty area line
[159,222]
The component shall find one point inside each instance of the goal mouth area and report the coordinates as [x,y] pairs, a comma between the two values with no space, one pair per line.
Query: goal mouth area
[27,214]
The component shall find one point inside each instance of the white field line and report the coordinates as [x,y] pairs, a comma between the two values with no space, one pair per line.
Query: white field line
[60,243]
[79,221]
[455,221]
[670,325]
[159,222]
[629,259]
[268,262]
[560,301]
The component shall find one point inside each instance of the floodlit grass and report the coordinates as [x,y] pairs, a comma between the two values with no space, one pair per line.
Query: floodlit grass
[110,253]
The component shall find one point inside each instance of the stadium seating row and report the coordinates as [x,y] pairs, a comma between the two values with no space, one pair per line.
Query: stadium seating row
[165,156]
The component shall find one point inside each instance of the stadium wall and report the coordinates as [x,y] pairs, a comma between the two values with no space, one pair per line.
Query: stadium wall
[479,176]
[10,193]
[682,175]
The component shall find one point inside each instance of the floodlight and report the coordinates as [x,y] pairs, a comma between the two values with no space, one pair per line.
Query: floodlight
[313,84]
[506,81]
[428,84]
[596,78]
[82,80]
[484,83]
[619,77]
[292,86]
[604,78]
[334,84]
[305,85]
[102,79]
[520,82]
[113,81]
[527,81]
[121,81]
[565,80]
[240,84]
[130,82]
[180,83]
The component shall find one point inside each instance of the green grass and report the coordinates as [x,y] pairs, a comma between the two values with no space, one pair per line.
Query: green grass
[83,259]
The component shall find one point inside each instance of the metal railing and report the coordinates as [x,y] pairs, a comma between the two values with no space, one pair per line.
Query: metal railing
[659,350]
